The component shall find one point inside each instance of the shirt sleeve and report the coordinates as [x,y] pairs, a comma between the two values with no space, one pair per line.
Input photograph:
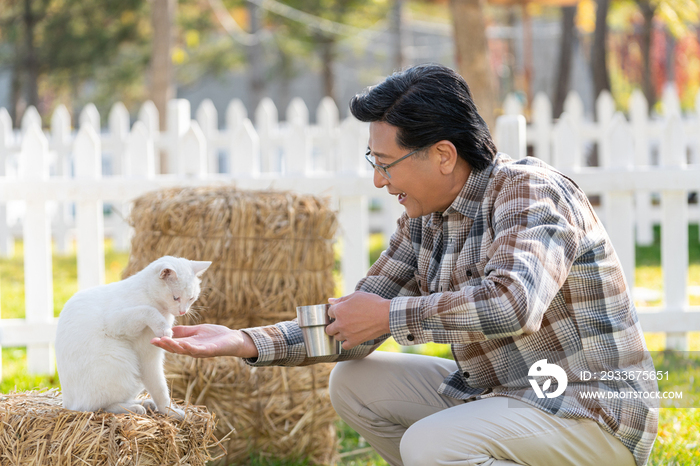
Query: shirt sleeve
[534,245]
[282,344]
[391,275]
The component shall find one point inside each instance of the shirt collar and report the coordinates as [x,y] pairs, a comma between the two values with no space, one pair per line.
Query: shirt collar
[470,197]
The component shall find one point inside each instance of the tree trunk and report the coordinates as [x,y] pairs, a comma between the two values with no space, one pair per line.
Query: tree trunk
[397,33]
[162,88]
[17,104]
[647,29]
[472,54]
[255,59]
[327,58]
[31,62]
[566,50]
[599,63]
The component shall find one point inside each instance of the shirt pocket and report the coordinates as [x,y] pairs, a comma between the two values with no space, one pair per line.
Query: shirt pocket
[467,275]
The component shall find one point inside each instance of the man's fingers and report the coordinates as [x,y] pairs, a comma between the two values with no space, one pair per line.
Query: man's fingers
[347,345]
[338,300]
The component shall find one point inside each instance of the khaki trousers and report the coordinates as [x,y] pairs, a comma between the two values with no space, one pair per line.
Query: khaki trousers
[391,400]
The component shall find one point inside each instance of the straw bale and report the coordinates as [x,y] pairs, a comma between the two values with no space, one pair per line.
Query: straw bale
[271,251]
[38,431]
[279,412]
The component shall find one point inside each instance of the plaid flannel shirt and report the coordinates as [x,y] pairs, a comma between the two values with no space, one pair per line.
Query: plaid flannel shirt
[518,269]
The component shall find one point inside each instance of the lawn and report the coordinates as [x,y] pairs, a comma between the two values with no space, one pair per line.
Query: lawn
[678,442]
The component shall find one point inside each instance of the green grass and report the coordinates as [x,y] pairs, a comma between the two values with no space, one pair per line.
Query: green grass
[678,442]
[648,273]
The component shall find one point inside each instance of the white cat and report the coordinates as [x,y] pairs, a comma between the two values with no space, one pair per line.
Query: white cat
[103,351]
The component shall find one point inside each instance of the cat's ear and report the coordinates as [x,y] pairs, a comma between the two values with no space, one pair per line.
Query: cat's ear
[198,267]
[167,273]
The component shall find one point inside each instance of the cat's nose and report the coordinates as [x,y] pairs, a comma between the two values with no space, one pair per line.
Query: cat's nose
[183,312]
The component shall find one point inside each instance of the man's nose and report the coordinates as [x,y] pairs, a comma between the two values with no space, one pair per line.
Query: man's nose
[379,180]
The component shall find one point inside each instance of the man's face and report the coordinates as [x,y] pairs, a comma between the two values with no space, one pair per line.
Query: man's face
[417,181]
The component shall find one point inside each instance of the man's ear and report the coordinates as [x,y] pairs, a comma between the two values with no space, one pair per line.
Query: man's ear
[448,156]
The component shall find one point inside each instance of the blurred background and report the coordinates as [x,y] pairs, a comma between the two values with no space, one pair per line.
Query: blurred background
[74,52]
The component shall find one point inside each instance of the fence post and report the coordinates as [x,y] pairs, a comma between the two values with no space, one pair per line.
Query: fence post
[327,119]
[512,105]
[510,136]
[148,115]
[7,242]
[118,133]
[235,114]
[61,144]
[573,106]
[38,279]
[639,110]
[90,116]
[353,215]
[541,127]
[670,101]
[566,153]
[352,147]
[30,119]
[353,218]
[140,153]
[192,153]
[178,124]
[208,120]
[674,230]
[297,151]
[619,204]
[266,122]
[89,219]
[605,109]
[244,151]
[118,122]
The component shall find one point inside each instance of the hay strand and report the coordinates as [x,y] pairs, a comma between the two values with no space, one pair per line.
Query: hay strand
[38,431]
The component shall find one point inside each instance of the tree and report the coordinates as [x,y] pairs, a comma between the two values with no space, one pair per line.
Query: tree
[472,54]
[599,62]
[678,16]
[63,42]
[162,85]
[566,45]
[319,28]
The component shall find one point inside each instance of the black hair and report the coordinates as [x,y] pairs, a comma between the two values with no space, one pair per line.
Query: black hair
[429,103]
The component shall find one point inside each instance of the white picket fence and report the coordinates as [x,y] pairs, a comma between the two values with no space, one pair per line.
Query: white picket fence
[49,172]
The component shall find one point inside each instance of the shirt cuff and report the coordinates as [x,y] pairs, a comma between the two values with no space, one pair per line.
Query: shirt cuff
[268,342]
[405,320]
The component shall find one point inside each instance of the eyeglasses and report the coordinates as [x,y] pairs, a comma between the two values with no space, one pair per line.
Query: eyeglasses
[384,169]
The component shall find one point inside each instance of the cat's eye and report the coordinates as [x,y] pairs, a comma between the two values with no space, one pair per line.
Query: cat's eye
[176,299]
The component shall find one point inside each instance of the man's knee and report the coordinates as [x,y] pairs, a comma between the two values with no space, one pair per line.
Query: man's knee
[420,445]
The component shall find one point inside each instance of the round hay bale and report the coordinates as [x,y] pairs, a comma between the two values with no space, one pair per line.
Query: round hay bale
[278,412]
[271,252]
[38,431]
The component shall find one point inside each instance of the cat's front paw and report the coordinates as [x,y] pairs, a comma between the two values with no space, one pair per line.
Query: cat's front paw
[174,412]
[163,332]
[149,404]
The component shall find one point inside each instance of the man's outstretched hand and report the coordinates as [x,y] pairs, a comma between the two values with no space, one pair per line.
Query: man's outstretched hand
[207,340]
